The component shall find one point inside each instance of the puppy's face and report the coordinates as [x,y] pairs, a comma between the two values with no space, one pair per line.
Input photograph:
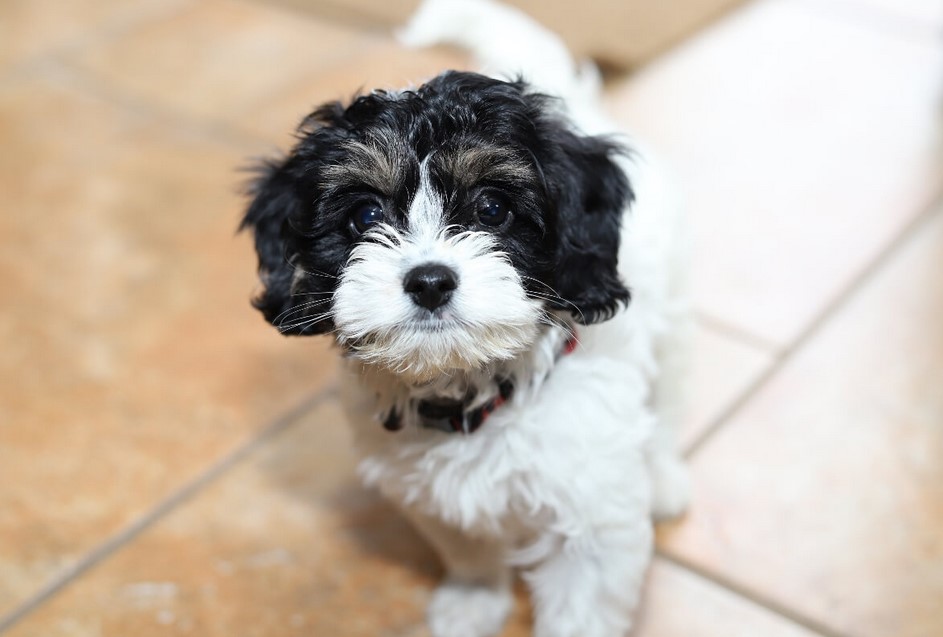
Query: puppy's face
[433,230]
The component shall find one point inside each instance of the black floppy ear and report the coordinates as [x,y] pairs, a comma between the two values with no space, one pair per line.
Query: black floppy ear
[286,298]
[591,192]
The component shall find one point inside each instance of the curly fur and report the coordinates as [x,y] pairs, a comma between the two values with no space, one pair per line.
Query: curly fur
[563,480]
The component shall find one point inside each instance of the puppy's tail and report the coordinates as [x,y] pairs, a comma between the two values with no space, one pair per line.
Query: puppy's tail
[506,43]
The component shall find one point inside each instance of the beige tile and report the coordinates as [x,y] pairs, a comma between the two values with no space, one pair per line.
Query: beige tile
[288,544]
[723,367]
[384,65]
[908,18]
[33,27]
[826,492]
[219,57]
[678,603]
[131,357]
[804,144]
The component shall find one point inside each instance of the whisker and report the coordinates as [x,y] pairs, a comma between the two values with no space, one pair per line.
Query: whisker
[576,309]
[530,278]
[555,296]
[541,295]
[299,308]
[319,273]
[313,294]
[551,319]
[315,273]
[304,323]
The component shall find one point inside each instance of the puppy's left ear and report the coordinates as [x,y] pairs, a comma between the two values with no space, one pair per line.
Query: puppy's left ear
[591,192]
[285,302]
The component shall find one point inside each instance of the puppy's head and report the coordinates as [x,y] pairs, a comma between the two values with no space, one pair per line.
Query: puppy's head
[434,229]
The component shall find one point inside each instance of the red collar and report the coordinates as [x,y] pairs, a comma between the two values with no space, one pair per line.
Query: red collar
[454,416]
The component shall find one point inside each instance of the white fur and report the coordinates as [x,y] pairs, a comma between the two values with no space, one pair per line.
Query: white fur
[425,210]
[496,319]
[562,481]
[489,317]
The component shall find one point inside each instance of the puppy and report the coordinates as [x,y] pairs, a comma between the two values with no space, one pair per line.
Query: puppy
[500,277]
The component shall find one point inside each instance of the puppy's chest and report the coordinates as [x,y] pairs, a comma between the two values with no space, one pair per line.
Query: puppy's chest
[466,448]
[478,481]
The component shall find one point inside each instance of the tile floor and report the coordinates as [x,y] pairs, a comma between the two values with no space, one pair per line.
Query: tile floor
[168,465]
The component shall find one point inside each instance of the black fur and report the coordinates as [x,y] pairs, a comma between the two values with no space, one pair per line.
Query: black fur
[566,192]
[591,193]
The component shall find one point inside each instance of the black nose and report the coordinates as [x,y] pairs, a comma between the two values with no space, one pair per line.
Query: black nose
[430,285]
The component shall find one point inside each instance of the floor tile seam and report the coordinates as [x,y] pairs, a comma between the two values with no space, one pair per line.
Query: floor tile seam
[733,407]
[876,19]
[23,70]
[743,593]
[323,65]
[215,129]
[93,85]
[109,31]
[832,308]
[369,42]
[740,335]
[347,17]
[176,498]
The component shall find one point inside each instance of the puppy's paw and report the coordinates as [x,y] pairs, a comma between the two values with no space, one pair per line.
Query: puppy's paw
[458,609]
[671,488]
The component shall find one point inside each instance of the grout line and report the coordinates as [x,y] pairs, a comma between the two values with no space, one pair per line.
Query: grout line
[219,130]
[216,130]
[110,31]
[744,337]
[763,602]
[178,497]
[858,281]
[339,14]
[28,68]
[727,414]
[367,46]
[90,82]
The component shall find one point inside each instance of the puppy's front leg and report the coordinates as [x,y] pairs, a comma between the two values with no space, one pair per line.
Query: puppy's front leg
[474,600]
[590,585]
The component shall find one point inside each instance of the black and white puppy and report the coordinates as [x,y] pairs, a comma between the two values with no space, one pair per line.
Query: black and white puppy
[470,249]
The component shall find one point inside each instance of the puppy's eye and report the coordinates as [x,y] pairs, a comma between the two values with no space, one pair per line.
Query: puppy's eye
[365,215]
[493,211]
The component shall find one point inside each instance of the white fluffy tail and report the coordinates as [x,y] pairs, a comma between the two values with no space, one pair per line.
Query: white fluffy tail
[505,43]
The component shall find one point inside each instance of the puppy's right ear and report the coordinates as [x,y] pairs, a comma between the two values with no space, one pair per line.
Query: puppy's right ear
[274,203]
